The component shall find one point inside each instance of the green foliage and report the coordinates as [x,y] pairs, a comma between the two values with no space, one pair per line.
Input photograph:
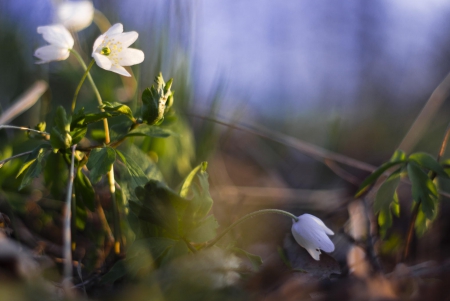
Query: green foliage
[149,131]
[255,260]
[60,137]
[385,199]
[117,109]
[84,191]
[100,162]
[156,101]
[424,191]
[33,165]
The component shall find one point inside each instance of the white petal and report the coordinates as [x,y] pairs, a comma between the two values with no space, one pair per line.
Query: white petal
[102,61]
[120,70]
[51,53]
[97,43]
[130,56]
[56,35]
[76,15]
[126,38]
[115,29]
[320,223]
[311,234]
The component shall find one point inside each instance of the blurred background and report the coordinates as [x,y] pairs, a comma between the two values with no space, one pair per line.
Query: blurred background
[349,76]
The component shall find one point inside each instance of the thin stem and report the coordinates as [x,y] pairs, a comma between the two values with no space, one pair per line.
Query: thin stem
[74,100]
[22,128]
[248,216]
[116,219]
[13,157]
[67,280]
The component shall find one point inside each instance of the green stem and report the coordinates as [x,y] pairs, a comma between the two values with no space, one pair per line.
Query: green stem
[88,75]
[248,216]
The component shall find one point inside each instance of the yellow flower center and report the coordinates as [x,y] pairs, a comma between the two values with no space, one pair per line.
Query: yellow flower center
[105,51]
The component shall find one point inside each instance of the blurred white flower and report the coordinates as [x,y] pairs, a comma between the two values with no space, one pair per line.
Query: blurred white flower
[111,50]
[60,40]
[75,15]
[311,233]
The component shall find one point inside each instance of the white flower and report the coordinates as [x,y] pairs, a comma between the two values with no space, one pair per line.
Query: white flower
[311,233]
[60,40]
[111,50]
[75,15]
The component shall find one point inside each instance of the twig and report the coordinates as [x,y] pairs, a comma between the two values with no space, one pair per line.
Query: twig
[311,150]
[426,115]
[13,157]
[22,128]
[25,101]
[67,280]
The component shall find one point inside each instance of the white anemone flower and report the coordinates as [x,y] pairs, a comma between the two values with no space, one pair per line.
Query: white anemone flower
[311,233]
[60,40]
[75,15]
[111,50]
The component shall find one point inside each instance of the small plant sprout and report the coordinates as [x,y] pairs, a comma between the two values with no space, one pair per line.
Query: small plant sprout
[61,42]
[311,233]
[111,50]
[75,15]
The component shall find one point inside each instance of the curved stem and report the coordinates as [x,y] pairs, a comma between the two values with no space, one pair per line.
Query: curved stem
[248,216]
[94,87]
[74,100]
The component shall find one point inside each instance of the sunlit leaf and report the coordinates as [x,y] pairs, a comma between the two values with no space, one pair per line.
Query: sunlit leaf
[117,108]
[100,162]
[375,175]
[427,161]
[84,191]
[149,131]
[60,134]
[204,230]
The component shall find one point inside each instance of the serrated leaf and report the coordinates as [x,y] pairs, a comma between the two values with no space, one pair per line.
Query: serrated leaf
[255,260]
[196,188]
[204,230]
[427,161]
[100,162]
[423,189]
[149,131]
[375,175]
[84,191]
[117,108]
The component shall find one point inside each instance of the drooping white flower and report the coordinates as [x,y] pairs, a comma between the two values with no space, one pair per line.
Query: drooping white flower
[111,50]
[75,15]
[60,40]
[311,233]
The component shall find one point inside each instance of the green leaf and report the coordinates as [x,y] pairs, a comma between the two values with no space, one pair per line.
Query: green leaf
[255,260]
[398,155]
[156,245]
[150,131]
[118,271]
[177,250]
[78,134]
[423,189]
[160,206]
[385,194]
[60,134]
[196,188]
[33,166]
[204,230]
[154,100]
[100,162]
[94,117]
[84,191]
[117,108]
[375,175]
[427,161]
